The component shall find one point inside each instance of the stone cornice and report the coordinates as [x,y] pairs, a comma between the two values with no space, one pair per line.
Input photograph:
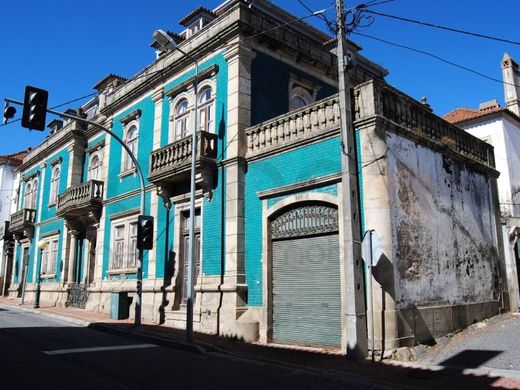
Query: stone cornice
[57,160]
[209,72]
[50,233]
[51,145]
[445,149]
[31,176]
[135,114]
[301,186]
[95,147]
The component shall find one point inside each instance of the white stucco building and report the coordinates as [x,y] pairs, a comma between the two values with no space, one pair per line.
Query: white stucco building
[9,180]
[500,127]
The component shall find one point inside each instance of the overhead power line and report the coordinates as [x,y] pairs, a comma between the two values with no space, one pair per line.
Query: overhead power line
[438,26]
[436,57]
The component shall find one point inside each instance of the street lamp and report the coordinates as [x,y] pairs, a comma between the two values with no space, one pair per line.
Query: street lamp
[166,42]
[42,245]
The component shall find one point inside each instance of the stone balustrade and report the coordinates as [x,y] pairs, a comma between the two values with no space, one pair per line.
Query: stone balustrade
[89,194]
[176,157]
[22,219]
[378,99]
[294,127]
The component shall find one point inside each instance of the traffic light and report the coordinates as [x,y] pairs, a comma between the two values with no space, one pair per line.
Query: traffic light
[9,112]
[34,108]
[145,232]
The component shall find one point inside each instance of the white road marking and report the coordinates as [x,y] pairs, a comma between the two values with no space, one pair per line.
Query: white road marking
[98,349]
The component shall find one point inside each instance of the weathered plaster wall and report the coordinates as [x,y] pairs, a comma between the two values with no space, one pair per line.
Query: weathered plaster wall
[442,229]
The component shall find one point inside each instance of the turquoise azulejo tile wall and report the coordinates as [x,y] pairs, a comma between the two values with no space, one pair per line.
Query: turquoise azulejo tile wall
[212,209]
[291,167]
[118,184]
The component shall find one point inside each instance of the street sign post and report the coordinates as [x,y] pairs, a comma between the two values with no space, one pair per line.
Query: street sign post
[371,252]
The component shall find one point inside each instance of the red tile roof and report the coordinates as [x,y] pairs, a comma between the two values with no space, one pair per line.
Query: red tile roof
[465,114]
[13,159]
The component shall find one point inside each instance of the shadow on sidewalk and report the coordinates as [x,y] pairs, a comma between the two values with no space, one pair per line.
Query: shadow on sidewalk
[333,364]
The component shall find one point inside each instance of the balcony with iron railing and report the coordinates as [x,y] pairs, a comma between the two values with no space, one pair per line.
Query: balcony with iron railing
[172,163]
[80,200]
[22,221]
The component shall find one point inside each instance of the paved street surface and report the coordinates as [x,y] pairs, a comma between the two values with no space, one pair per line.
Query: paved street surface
[58,348]
[493,345]
[43,353]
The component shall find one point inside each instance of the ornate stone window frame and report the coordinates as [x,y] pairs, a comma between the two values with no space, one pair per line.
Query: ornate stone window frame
[32,181]
[301,88]
[125,221]
[175,101]
[53,240]
[203,86]
[54,183]
[130,122]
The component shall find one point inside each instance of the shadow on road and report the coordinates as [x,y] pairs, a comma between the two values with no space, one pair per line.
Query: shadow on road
[332,364]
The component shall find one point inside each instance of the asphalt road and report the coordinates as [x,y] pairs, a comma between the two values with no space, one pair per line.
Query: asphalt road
[43,353]
[494,345]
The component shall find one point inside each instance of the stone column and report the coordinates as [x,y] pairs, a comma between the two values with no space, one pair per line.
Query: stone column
[73,252]
[388,326]
[239,60]
[157,98]
[76,151]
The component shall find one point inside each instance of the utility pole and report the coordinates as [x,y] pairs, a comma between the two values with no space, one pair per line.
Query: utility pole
[355,298]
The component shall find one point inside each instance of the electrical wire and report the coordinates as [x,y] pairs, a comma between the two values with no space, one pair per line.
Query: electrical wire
[436,57]
[443,27]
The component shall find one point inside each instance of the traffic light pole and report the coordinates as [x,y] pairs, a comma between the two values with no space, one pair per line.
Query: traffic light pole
[139,287]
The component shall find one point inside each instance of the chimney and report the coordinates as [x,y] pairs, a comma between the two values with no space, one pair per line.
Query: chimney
[511,79]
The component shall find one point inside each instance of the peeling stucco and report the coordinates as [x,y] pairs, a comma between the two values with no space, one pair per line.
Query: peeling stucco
[443,247]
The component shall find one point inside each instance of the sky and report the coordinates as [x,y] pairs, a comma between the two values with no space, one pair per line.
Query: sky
[66,47]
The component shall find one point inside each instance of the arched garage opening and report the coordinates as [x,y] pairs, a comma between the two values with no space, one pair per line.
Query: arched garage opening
[305,288]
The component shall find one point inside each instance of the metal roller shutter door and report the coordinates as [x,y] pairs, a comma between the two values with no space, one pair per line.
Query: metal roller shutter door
[306,291]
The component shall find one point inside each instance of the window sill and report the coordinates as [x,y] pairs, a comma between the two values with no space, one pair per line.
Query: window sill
[127,173]
[51,204]
[48,276]
[121,271]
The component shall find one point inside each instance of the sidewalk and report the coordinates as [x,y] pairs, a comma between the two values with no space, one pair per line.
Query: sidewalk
[377,374]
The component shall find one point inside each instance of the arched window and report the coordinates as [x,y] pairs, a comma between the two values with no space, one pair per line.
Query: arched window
[131,141]
[206,109]
[298,102]
[180,122]
[94,167]
[30,194]
[300,97]
[55,184]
